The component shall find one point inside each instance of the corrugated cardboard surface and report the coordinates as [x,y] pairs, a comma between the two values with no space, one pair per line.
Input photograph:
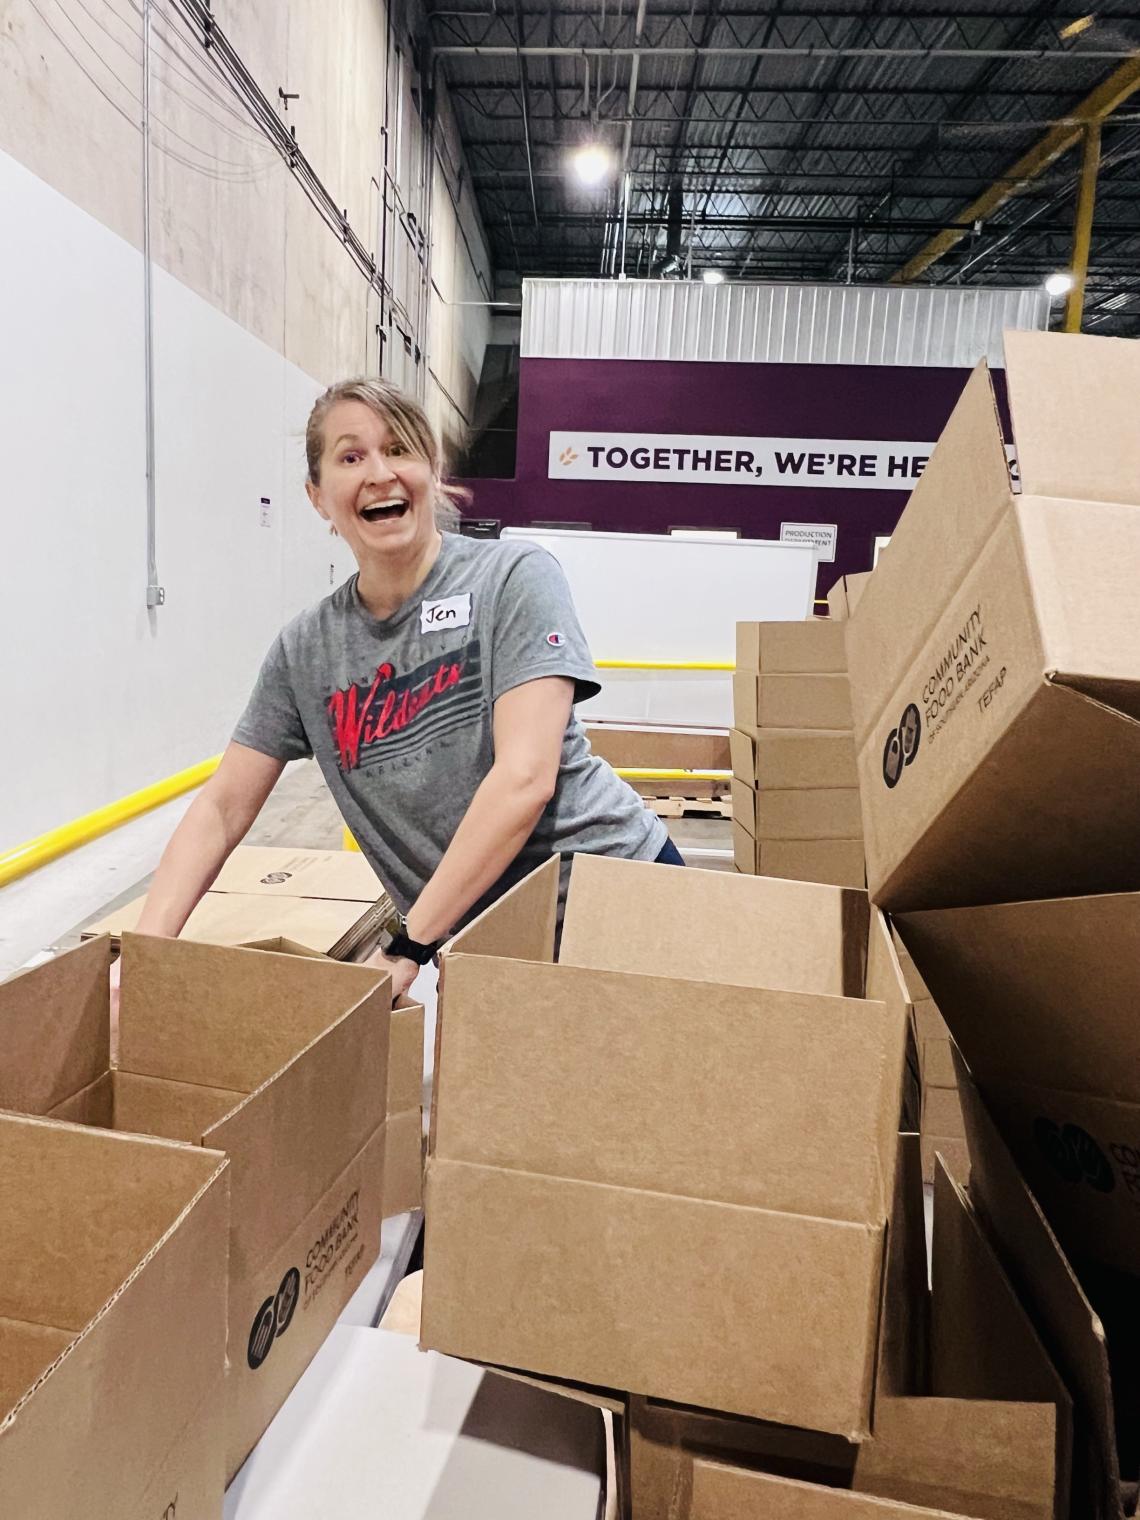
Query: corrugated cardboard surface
[598,1074]
[802,701]
[1073,1335]
[818,814]
[342,875]
[1039,997]
[839,862]
[112,1258]
[281,1061]
[404,1154]
[1016,664]
[743,848]
[942,1111]
[239,918]
[793,758]
[814,646]
[730,1493]
[659,748]
[846,594]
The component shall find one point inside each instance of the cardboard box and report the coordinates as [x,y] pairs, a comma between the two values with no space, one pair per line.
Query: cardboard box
[1041,999]
[638,747]
[819,814]
[791,701]
[277,1060]
[112,1325]
[813,646]
[941,1111]
[744,853]
[846,594]
[971,1416]
[995,658]
[1069,1328]
[598,1074]
[838,862]
[404,1146]
[794,759]
[954,1152]
[330,901]
[937,1063]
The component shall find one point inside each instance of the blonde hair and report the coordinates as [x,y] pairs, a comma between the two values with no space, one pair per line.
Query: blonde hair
[409,424]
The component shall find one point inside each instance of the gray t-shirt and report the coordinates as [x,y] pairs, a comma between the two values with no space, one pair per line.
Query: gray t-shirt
[398,712]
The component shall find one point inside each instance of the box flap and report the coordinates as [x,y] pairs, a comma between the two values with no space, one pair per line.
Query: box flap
[983,1343]
[319,1112]
[712,926]
[81,1209]
[1046,1285]
[521,923]
[631,1097]
[55,1029]
[1038,993]
[951,512]
[228,1018]
[1072,400]
[718,1492]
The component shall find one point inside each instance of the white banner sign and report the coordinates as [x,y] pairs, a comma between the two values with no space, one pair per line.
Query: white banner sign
[820,536]
[707,459]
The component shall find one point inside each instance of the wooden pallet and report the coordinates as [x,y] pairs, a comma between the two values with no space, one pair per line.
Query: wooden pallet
[690,807]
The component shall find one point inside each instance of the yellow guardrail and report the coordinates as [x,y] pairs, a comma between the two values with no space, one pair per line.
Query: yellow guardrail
[44,848]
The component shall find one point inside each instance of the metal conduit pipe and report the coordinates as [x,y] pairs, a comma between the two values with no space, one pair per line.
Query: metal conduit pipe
[1040,55]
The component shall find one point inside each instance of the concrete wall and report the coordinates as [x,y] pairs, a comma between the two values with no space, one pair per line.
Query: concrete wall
[257,306]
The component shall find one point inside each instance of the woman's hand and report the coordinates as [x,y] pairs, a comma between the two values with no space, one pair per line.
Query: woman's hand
[403,972]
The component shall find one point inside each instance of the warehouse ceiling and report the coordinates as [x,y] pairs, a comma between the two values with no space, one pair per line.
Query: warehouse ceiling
[829,141]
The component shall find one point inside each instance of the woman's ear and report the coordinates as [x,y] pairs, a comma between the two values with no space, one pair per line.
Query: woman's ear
[313,492]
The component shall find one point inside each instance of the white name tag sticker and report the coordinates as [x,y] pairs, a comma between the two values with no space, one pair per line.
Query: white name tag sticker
[451,612]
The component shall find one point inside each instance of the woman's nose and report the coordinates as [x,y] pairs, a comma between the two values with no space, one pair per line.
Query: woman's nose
[380,469]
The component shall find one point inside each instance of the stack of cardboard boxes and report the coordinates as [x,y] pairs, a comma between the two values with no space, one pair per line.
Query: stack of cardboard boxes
[795,787]
[686,1185]
[129,1287]
[995,662]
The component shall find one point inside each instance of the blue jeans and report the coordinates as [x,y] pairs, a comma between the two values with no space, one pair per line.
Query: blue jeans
[670,855]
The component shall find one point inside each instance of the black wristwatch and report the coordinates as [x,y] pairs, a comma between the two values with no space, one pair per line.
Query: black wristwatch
[397,944]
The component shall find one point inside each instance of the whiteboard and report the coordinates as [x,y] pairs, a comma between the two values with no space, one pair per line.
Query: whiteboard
[645,596]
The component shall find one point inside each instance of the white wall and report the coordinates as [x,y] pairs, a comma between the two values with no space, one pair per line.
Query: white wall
[256,308]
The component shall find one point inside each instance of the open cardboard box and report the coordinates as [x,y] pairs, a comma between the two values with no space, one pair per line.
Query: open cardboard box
[970,1417]
[112,1325]
[1041,998]
[277,1060]
[995,657]
[663,1162]
[404,1147]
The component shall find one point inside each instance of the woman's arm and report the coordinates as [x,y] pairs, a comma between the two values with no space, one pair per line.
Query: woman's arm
[529,725]
[216,821]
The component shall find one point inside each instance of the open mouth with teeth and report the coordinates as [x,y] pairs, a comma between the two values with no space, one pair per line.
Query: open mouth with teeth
[384,511]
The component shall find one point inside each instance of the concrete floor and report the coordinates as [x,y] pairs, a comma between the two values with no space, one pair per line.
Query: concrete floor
[46,909]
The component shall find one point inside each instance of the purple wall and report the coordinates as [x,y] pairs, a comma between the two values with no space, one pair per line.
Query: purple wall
[872,402]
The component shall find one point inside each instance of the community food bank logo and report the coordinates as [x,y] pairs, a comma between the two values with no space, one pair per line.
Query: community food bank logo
[902,745]
[1072,1152]
[273,1319]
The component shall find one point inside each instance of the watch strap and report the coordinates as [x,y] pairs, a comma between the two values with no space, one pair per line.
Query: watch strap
[402,948]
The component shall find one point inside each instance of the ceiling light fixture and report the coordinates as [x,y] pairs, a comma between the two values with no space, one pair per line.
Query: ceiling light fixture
[591,164]
[1059,284]
[713,277]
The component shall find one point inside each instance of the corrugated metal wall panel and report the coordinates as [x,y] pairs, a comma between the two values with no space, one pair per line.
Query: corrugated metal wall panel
[775,324]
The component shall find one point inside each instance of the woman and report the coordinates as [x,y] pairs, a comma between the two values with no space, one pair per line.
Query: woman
[436,690]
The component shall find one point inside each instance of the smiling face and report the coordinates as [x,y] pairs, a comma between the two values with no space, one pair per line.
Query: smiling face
[376,492]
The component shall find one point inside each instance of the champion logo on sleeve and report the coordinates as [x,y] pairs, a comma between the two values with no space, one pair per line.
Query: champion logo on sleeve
[555,640]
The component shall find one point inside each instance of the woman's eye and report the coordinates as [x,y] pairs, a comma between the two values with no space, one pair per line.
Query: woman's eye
[396,449]
[349,458]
